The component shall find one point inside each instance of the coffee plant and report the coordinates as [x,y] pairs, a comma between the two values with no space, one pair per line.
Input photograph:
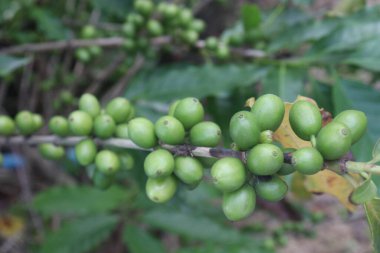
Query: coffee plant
[130,101]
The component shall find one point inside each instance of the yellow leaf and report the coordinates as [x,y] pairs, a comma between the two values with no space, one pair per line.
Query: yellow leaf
[325,181]
[249,102]
[11,225]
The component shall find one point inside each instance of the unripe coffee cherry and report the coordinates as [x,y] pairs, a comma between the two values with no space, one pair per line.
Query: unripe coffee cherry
[271,188]
[1,159]
[104,126]
[122,131]
[159,163]
[170,130]
[189,170]
[135,19]
[59,125]
[356,121]
[185,16]
[101,180]
[141,132]
[95,50]
[265,159]
[189,111]
[85,152]
[119,109]
[222,52]
[129,30]
[126,159]
[197,25]
[205,134]
[130,45]
[161,190]
[211,43]
[51,151]
[305,119]
[90,104]
[334,140]
[7,126]
[38,121]
[168,11]
[25,122]
[269,111]
[244,130]
[172,107]
[154,28]
[189,36]
[80,123]
[107,162]
[83,54]
[228,174]
[145,7]
[307,161]
[88,32]
[239,204]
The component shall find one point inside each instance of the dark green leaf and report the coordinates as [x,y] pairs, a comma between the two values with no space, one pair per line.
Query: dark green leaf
[80,235]
[322,94]
[372,209]
[285,82]
[168,83]
[366,55]
[251,16]
[365,192]
[140,241]
[50,25]
[117,8]
[78,200]
[10,63]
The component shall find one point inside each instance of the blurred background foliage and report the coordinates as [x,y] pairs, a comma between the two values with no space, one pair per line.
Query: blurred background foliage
[326,50]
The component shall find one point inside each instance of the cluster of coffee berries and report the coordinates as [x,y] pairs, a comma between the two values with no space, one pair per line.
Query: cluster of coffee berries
[24,123]
[183,125]
[85,54]
[149,21]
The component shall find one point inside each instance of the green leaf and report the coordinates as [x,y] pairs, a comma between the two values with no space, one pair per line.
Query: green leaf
[372,209]
[376,151]
[49,24]
[322,93]
[285,82]
[171,82]
[365,192]
[117,8]
[78,200]
[80,235]
[8,64]
[140,241]
[192,226]
[251,16]
[366,55]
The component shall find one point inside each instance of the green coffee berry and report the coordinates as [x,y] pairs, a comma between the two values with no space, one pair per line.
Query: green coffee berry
[189,111]
[172,107]
[197,25]
[185,17]
[168,11]
[104,126]
[90,104]
[161,190]
[80,123]
[83,54]
[135,19]
[228,174]
[129,30]
[141,132]
[88,32]
[356,121]
[145,7]
[334,140]
[38,121]
[119,109]
[101,180]
[239,204]
[95,50]
[269,111]
[7,125]
[107,162]
[25,122]
[130,45]
[122,131]
[269,244]
[51,151]
[305,119]
[271,188]
[211,43]
[189,36]
[244,130]
[126,159]
[188,169]
[205,134]
[66,97]
[132,113]
[307,161]
[154,28]
[222,52]
[1,159]
[265,159]
[85,152]
[170,130]
[59,125]
[159,163]
[286,169]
